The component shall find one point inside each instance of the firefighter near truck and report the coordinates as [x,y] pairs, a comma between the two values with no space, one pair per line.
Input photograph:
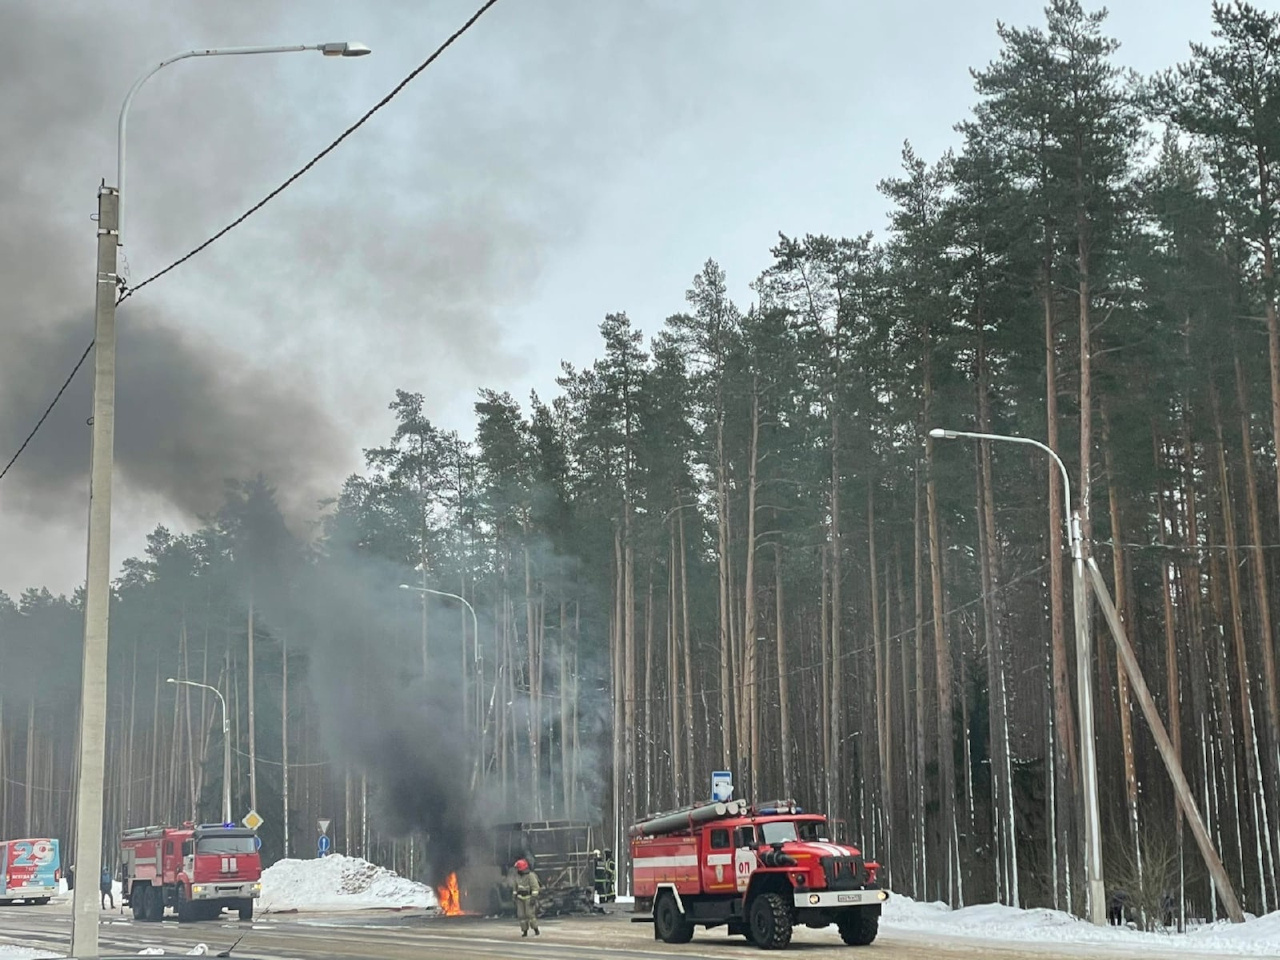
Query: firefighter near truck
[198,870]
[760,870]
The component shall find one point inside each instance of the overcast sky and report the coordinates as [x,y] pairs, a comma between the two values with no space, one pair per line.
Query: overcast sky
[567,158]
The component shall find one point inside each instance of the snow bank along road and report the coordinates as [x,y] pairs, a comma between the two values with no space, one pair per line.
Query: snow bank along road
[414,935]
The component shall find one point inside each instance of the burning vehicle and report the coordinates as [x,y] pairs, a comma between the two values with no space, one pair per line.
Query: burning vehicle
[561,852]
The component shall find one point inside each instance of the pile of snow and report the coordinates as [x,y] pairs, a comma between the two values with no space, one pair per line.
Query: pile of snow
[1257,935]
[995,922]
[10,952]
[337,882]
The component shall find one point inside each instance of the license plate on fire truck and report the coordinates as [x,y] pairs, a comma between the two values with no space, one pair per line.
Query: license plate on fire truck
[841,898]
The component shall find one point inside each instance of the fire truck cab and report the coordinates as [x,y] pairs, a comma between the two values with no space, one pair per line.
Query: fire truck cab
[196,869]
[759,870]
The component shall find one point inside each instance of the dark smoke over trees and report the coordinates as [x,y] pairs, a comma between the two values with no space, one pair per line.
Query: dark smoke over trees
[732,544]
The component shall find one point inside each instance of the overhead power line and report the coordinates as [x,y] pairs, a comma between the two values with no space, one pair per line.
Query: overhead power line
[129,291]
[48,410]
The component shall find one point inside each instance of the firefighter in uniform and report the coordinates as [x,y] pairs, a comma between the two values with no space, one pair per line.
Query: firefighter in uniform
[526,888]
[604,878]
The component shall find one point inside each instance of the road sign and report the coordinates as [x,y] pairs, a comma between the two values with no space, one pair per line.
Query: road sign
[323,825]
[252,820]
[721,785]
[322,845]
[257,843]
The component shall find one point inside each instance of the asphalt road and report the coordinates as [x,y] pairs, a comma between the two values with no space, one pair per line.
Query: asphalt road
[414,935]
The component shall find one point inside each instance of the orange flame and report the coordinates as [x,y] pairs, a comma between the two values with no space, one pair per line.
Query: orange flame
[449,897]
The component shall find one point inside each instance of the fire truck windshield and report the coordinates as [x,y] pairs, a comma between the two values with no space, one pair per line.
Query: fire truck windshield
[782,831]
[779,831]
[225,845]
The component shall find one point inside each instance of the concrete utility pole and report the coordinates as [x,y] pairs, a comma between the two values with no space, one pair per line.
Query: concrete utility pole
[93,681]
[93,702]
[1097,898]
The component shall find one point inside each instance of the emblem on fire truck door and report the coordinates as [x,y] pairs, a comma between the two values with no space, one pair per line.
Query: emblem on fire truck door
[719,873]
[744,861]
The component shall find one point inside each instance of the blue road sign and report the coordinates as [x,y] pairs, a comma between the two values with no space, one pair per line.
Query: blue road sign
[322,845]
[257,843]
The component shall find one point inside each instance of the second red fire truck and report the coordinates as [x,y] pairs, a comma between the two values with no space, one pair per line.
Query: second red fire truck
[196,869]
[759,870]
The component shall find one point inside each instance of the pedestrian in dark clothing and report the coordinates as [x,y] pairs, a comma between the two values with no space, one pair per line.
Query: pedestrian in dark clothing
[104,885]
[526,889]
[1117,908]
[71,878]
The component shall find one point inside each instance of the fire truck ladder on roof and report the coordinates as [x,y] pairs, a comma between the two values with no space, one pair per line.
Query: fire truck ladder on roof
[682,819]
[143,833]
[775,808]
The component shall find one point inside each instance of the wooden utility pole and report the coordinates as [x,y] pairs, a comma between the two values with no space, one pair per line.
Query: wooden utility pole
[1181,789]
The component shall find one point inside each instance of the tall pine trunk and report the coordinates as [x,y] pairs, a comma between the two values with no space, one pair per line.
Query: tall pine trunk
[688,658]
[1066,785]
[1257,794]
[1262,601]
[722,563]
[921,759]
[678,733]
[836,760]
[750,644]
[879,641]
[253,743]
[1122,604]
[993,611]
[942,657]
[284,735]
[784,694]
[1172,685]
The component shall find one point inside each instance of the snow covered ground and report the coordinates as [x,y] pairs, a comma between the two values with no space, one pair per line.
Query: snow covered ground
[9,952]
[337,882]
[995,923]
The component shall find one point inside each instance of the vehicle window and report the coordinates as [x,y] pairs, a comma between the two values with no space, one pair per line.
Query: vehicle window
[812,830]
[187,848]
[168,848]
[225,845]
[779,831]
[746,836]
[720,839]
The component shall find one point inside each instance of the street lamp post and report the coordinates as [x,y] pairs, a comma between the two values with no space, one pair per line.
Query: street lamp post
[1084,677]
[475,634]
[226,744]
[93,682]
[328,49]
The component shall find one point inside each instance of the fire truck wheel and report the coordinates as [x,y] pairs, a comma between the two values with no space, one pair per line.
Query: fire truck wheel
[859,926]
[150,904]
[770,922]
[669,922]
[246,909]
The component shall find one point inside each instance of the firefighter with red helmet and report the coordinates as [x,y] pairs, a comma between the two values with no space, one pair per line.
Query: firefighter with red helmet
[526,888]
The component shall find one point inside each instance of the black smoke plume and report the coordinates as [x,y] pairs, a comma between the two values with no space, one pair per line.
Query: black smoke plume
[382,717]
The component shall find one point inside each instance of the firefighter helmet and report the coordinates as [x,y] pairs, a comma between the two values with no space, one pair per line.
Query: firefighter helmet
[522,865]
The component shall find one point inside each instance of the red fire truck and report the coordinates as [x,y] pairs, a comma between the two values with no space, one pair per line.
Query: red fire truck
[759,870]
[197,870]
